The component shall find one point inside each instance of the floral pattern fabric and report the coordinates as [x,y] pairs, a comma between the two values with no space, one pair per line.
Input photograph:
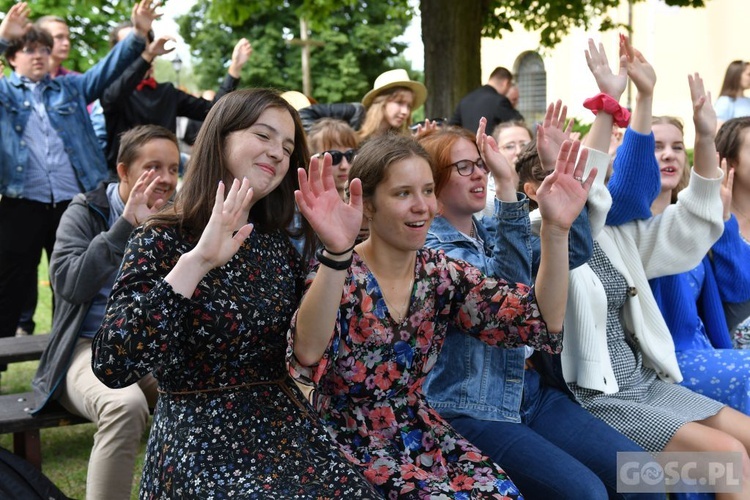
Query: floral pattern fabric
[369,381]
[229,422]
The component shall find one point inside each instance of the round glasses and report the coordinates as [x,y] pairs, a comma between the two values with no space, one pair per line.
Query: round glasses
[466,167]
[337,156]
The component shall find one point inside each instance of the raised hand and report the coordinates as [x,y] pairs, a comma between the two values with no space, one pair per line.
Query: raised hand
[608,82]
[704,116]
[639,70]
[550,135]
[240,55]
[429,126]
[136,208]
[563,193]
[143,15]
[335,222]
[159,47]
[501,170]
[227,227]
[16,22]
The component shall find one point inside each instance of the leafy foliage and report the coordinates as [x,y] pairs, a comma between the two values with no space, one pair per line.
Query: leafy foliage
[555,18]
[354,43]
[89,22]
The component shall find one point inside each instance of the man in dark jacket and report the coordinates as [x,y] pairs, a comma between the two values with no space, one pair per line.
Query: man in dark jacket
[137,99]
[91,241]
[488,101]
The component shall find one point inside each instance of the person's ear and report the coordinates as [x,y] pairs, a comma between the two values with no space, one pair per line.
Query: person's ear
[367,210]
[122,172]
[530,190]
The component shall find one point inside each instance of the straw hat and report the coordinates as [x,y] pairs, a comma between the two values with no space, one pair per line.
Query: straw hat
[298,100]
[396,78]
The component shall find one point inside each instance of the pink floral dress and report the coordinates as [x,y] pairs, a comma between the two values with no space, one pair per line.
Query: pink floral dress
[369,381]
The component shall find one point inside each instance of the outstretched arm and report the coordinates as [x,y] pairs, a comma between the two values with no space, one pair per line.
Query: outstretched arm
[561,197]
[337,225]
[705,161]
[240,55]
[635,181]
[499,168]
[16,22]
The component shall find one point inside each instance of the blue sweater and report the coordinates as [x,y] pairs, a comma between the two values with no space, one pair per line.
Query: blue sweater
[727,273]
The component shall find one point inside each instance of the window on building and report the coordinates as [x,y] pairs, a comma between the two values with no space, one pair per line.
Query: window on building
[531,79]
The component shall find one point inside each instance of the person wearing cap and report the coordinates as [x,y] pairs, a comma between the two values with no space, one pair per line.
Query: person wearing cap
[390,103]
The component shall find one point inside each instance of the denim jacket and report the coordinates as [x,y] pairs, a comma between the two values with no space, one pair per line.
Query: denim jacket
[471,378]
[65,99]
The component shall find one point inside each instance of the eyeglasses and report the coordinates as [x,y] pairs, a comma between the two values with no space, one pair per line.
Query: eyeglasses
[512,146]
[337,156]
[45,51]
[466,167]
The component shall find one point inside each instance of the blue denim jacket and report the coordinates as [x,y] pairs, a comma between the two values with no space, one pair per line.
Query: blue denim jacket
[471,378]
[65,99]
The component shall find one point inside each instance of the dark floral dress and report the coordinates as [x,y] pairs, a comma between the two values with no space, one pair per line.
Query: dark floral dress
[229,422]
[369,381]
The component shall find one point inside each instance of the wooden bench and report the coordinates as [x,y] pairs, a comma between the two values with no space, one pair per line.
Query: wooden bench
[26,348]
[16,418]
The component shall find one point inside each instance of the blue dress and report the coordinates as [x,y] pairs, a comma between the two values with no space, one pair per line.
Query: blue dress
[721,374]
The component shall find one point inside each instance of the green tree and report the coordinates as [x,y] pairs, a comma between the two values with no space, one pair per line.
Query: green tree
[89,22]
[452,30]
[356,43]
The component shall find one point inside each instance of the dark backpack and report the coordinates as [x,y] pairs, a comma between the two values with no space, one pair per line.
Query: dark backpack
[19,480]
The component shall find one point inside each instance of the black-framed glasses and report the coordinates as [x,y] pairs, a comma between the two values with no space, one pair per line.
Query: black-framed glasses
[466,167]
[38,49]
[337,156]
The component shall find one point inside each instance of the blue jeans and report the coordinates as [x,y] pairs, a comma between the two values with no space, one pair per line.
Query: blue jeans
[559,450]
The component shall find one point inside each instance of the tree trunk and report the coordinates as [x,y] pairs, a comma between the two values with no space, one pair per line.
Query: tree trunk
[451,31]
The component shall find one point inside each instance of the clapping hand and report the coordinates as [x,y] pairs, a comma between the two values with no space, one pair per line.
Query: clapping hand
[550,135]
[563,193]
[16,22]
[335,222]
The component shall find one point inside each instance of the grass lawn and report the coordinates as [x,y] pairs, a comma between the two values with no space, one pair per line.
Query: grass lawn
[65,450]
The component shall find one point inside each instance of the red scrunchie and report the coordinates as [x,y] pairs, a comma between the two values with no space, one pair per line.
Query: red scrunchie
[603,102]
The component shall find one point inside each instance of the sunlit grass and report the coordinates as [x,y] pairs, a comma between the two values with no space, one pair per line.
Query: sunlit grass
[65,450]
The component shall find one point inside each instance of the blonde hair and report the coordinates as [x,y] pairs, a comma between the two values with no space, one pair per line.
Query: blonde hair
[685,178]
[375,116]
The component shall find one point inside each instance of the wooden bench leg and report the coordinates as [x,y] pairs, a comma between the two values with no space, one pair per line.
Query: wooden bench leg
[28,444]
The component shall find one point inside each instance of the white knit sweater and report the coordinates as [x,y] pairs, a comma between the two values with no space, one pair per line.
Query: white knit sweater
[670,243]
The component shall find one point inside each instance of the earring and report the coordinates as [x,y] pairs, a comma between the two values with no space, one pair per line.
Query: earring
[369,219]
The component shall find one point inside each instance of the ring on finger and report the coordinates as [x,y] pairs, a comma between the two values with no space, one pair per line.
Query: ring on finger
[578,178]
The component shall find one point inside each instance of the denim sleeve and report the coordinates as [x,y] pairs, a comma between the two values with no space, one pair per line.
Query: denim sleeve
[580,243]
[509,230]
[98,78]
[635,181]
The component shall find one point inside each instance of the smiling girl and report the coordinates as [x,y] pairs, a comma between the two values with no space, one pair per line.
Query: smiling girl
[369,347]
